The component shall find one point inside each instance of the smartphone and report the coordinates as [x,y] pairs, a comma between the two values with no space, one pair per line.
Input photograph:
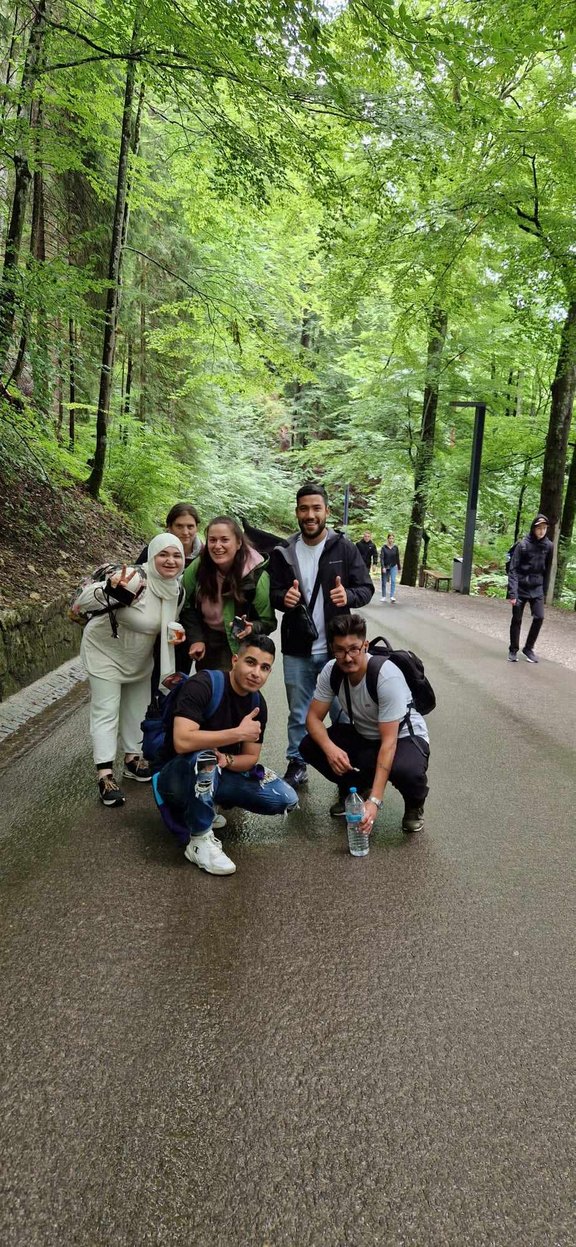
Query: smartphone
[238,625]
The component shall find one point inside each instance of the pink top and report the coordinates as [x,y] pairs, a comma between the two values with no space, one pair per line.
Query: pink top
[212,610]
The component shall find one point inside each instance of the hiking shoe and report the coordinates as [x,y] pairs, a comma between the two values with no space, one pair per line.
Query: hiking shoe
[529,655]
[109,791]
[206,852]
[219,822]
[512,655]
[413,818]
[338,809]
[138,769]
[296,773]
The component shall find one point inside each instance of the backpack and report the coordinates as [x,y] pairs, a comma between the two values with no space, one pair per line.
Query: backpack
[412,668]
[157,726]
[81,616]
[509,556]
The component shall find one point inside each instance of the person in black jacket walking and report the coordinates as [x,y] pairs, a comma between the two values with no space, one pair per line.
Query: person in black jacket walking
[368,550]
[317,575]
[528,578]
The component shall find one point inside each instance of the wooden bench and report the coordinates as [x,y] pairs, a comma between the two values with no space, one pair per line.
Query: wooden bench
[433,580]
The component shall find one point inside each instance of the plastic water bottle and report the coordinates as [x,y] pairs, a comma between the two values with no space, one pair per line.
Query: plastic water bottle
[358,843]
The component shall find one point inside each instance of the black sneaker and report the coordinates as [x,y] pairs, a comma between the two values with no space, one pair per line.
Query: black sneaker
[109,791]
[529,655]
[296,773]
[338,809]
[138,769]
[512,655]
[413,819]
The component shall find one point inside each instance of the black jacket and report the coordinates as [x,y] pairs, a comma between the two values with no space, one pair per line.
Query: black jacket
[529,570]
[368,552]
[339,558]
[389,557]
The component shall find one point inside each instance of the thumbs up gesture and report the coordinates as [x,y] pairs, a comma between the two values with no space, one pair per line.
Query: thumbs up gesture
[292,597]
[338,595]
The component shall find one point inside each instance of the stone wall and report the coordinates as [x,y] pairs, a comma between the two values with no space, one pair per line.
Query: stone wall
[34,639]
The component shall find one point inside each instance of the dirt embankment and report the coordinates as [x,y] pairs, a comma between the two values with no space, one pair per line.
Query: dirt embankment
[50,538]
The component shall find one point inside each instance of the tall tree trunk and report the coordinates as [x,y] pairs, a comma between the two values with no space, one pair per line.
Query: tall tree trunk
[563,390]
[425,451]
[523,485]
[143,359]
[72,383]
[22,178]
[566,528]
[129,375]
[114,270]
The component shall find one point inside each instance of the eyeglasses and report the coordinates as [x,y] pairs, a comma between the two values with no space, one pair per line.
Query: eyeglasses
[352,650]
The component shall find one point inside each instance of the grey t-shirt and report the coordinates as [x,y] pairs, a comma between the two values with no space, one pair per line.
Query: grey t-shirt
[393,700]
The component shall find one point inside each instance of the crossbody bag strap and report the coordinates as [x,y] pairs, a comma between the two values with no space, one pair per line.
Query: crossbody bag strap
[315,592]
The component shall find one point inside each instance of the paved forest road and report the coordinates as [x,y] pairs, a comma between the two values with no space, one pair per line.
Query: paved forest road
[319,1050]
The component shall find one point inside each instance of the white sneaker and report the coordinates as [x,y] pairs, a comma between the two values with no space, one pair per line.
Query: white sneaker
[392,599]
[219,822]
[206,852]
[382,599]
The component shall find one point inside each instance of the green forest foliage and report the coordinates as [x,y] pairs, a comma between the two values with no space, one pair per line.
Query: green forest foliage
[305,188]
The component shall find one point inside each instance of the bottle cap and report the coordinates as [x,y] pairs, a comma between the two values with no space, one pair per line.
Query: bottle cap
[353,790]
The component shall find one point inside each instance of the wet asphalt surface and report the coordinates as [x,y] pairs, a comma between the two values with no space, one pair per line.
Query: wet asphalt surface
[317,1050]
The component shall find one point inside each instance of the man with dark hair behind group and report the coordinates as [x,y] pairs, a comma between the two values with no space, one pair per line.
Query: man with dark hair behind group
[367,550]
[317,575]
[384,740]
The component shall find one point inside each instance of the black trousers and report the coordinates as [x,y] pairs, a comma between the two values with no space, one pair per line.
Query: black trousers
[408,772]
[537,609]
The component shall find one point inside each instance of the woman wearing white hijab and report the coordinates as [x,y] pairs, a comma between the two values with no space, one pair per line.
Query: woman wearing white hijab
[119,666]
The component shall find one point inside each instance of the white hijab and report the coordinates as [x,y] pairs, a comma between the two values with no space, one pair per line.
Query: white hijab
[167,589]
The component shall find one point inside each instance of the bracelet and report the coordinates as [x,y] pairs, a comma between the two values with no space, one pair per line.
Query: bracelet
[375,801]
[229,759]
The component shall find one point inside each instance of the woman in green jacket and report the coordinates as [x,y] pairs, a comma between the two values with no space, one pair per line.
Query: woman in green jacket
[227,581]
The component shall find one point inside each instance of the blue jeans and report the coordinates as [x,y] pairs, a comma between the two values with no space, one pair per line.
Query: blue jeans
[390,574]
[300,675]
[192,792]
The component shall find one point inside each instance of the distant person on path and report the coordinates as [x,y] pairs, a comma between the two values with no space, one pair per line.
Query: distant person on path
[182,520]
[318,574]
[119,667]
[368,551]
[383,742]
[227,596]
[389,565]
[528,579]
[218,757]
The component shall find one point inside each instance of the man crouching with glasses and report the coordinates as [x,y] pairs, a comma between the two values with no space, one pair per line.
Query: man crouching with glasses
[385,740]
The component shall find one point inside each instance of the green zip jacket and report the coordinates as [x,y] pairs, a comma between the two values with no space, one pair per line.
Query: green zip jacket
[256,606]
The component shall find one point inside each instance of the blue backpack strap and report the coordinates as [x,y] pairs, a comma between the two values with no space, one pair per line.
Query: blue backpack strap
[217,682]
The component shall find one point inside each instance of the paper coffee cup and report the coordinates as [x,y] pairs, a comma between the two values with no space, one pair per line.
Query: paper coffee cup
[176,632]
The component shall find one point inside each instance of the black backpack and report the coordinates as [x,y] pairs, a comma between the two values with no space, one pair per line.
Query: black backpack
[412,668]
[509,556]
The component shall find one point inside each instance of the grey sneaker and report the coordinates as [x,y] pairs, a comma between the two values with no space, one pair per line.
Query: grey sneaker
[512,655]
[529,655]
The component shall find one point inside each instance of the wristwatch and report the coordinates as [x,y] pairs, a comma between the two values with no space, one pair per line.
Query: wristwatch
[375,801]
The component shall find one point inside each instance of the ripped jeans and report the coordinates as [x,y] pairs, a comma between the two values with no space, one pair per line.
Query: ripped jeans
[192,783]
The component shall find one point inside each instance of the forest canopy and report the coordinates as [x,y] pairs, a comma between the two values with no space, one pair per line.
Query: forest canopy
[245,244]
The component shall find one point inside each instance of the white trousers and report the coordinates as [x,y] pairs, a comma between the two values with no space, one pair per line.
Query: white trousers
[116,712]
